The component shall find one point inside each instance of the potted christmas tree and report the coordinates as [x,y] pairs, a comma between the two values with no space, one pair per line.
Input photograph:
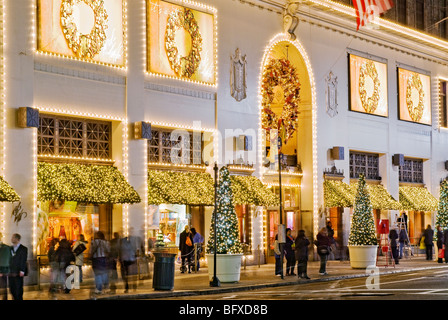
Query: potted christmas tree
[442,212]
[362,241]
[228,247]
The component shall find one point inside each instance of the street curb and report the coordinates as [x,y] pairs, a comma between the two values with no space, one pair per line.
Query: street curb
[186,293]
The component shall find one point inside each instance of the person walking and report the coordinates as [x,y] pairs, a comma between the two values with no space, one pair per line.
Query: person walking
[79,247]
[198,240]
[393,236]
[330,231]
[99,251]
[402,239]
[440,248]
[64,257]
[323,249]
[429,238]
[130,247]
[18,267]
[5,258]
[290,253]
[114,259]
[301,252]
[54,267]
[278,257]
[186,248]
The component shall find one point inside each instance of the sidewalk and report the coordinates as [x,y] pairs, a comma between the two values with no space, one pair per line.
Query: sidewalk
[253,277]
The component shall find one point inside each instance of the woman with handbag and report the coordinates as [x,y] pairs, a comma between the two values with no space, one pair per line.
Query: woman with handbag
[99,251]
[323,244]
[290,253]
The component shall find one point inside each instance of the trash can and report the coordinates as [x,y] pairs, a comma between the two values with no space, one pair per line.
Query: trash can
[163,274]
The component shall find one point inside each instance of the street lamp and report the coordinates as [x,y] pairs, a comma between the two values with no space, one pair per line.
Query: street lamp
[215,281]
[281,235]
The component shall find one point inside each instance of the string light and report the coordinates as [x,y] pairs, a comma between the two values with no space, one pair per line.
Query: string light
[3,108]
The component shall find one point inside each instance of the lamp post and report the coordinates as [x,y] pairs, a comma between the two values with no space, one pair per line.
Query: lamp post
[281,236]
[215,281]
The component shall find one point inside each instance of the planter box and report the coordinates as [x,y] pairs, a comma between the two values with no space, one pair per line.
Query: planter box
[228,267]
[363,256]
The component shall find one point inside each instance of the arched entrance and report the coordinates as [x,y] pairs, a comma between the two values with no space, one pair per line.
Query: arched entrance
[283,57]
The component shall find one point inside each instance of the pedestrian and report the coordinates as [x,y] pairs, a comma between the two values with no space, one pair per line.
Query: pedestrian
[99,251]
[186,248]
[445,244]
[54,267]
[114,259]
[130,247]
[330,232]
[79,247]
[18,267]
[290,253]
[440,248]
[393,236]
[278,257]
[197,242]
[429,238]
[5,258]
[64,257]
[402,239]
[323,245]
[301,251]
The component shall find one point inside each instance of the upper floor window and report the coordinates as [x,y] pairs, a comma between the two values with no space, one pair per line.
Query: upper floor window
[74,137]
[175,146]
[411,171]
[364,163]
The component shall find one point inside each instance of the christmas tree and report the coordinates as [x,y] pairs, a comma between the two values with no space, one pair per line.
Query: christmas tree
[442,213]
[227,240]
[362,231]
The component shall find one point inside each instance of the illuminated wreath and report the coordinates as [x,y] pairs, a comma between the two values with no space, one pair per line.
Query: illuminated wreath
[84,45]
[415,112]
[280,72]
[183,66]
[368,70]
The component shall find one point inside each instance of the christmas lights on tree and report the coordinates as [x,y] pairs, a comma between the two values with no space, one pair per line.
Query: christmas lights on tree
[362,231]
[442,213]
[227,240]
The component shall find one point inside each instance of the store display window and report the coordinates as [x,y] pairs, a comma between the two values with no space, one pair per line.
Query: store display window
[65,220]
[172,221]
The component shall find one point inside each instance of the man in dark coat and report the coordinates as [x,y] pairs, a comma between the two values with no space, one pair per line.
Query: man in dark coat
[429,238]
[186,248]
[393,236]
[18,267]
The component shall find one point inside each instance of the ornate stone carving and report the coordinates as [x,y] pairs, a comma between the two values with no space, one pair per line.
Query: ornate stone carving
[290,21]
[331,94]
[238,76]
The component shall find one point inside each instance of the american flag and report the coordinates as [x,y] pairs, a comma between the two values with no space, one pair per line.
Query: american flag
[369,9]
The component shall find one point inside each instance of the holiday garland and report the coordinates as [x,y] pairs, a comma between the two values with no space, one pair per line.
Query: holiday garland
[280,72]
[183,66]
[7,193]
[417,198]
[368,70]
[414,82]
[362,229]
[84,45]
[227,239]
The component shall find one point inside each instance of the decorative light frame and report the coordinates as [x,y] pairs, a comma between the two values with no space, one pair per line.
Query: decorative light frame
[3,107]
[198,6]
[282,37]
[63,56]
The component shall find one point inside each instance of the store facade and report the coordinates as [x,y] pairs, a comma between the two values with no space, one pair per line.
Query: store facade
[346,116]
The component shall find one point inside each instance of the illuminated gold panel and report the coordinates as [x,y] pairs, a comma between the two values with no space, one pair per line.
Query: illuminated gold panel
[83,30]
[181,42]
[414,96]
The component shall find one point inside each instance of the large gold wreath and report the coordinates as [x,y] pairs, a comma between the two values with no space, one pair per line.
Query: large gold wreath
[370,104]
[415,112]
[84,45]
[280,72]
[183,66]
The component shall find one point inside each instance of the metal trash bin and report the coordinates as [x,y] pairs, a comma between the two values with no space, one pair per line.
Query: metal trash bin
[163,274]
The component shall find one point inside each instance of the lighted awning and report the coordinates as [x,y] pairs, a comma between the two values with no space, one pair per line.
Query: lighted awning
[190,188]
[250,190]
[7,193]
[83,183]
[417,199]
[337,194]
[379,197]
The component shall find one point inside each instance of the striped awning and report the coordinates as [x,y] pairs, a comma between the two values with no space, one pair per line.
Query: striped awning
[83,183]
[417,199]
[7,193]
